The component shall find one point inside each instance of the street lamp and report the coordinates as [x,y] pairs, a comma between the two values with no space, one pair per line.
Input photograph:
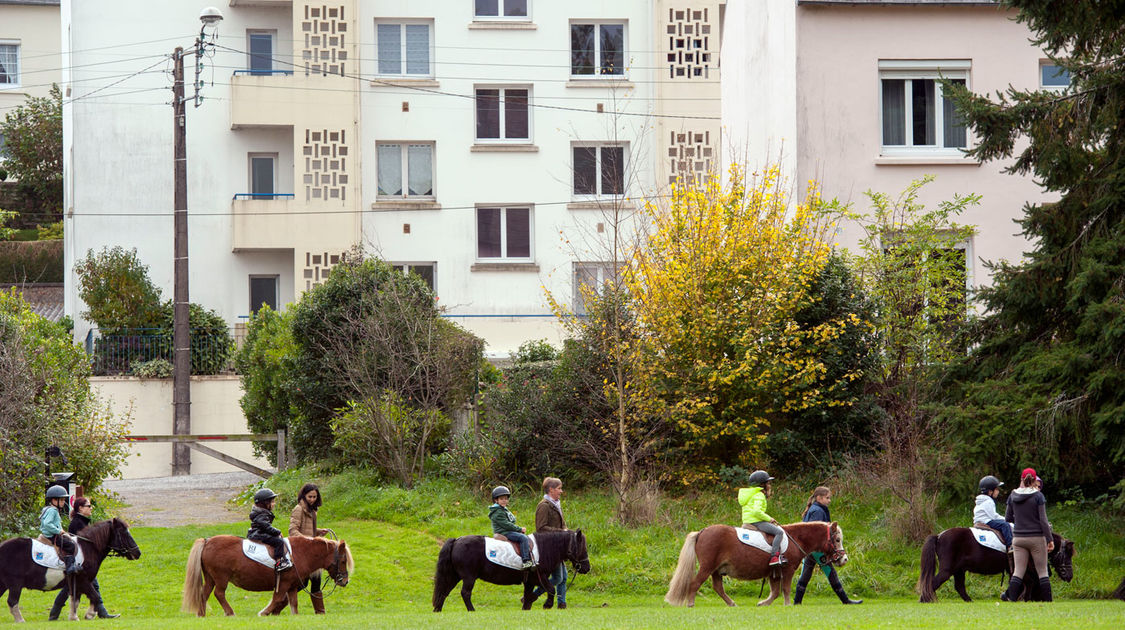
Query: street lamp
[181,334]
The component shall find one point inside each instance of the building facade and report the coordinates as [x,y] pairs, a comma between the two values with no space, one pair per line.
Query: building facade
[29,51]
[846,93]
[490,146]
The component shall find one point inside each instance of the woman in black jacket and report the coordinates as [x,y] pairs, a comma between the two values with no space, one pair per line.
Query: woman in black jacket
[79,520]
[817,510]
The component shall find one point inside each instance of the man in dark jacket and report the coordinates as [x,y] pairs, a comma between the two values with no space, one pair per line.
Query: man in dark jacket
[549,518]
[262,529]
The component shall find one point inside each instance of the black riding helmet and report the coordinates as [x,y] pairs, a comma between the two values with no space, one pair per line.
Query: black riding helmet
[500,491]
[263,495]
[989,483]
[759,478]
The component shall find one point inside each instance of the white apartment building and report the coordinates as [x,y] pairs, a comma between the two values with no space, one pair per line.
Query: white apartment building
[483,144]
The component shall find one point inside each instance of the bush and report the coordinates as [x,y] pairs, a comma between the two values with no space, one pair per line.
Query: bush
[51,231]
[266,364]
[116,289]
[156,368]
[31,261]
[388,434]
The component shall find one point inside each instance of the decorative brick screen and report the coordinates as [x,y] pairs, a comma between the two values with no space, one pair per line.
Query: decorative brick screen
[690,155]
[689,43]
[326,164]
[325,31]
[317,267]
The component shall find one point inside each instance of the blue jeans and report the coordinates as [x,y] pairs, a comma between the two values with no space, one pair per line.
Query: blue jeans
[525,544]
[1005,529]
[558,580]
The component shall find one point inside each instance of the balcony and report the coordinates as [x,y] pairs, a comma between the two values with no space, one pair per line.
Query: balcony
[261,99]
[261,3]
[279,221]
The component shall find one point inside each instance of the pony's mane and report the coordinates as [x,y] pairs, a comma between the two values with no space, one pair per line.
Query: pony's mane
[98,533]
[553,547]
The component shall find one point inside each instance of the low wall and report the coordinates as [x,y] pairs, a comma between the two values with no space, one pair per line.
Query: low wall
[214,409]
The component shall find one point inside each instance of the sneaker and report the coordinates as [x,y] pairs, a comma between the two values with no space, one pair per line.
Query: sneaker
[528,564]
[283,564]
[777,560]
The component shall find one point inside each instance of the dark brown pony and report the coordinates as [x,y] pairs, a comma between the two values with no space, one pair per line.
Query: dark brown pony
[721,553]
[18,571]
[955,552]
[217,561]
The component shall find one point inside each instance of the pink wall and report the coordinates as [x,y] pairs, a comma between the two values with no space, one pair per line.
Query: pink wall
[838,109]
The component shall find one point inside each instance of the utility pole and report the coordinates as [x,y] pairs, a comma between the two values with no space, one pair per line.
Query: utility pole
[181,333]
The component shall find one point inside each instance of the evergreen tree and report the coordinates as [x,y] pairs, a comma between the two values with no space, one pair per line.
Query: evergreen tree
[1045,383]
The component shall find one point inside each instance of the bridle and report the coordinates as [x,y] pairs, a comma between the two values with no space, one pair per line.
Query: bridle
[571,551]
[114,547]
[837,552]
[332,568]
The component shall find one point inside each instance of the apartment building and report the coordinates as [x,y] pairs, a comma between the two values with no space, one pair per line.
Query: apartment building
[486,145]
[847,93]
[29,51]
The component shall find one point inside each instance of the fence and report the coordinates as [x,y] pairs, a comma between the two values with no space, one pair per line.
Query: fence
[212,351]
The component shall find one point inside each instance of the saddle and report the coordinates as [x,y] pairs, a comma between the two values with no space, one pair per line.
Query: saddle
[985,526]
[515,545]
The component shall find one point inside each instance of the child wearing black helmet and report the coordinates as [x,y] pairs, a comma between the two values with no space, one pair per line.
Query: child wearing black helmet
[504,523]
[753,502]
[262,529]
[985,509]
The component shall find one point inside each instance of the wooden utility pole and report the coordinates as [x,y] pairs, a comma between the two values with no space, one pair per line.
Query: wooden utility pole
[181,334]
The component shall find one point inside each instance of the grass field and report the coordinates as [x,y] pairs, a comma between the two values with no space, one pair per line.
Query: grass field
[395,536]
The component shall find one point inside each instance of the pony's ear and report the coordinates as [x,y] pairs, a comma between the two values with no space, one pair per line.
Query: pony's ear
[835,526]
[1070,548]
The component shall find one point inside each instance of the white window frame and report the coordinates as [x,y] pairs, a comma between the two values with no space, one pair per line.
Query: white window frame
[276,290]
[597,75]
[250,172]
[598,168]
[500,13]
[405,170]
[504,232]
[909,69]
[406,268]
[530,139]
[19,63]
[273,48]
[604,271]
[1047,63]
[402,24]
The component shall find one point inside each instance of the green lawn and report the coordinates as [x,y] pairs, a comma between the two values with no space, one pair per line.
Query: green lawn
[395,536]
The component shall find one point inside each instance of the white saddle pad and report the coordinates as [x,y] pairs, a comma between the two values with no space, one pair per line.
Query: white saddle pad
[260,552]
[46,556]
[988,538]
[502,553]
[757,539]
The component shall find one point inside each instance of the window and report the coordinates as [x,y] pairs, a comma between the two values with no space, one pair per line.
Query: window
[917,118]
[599,170]
[597,49]
[504,233]
[404,49]
[589,279]
[263,174]
[405,170]
[9,63]
[260,46]
[1053,77]
[424,270]
[503,114]
[263,290]
[492,9]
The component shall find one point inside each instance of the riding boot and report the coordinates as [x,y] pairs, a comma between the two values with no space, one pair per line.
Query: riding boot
[103,613]
[1045,590]
[798,594]
[1015,587]
[834,581]
[318,602]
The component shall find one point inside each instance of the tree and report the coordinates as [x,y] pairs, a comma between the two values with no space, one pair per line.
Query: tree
[116,289]
[33,150]
[1044,382]
[266,364]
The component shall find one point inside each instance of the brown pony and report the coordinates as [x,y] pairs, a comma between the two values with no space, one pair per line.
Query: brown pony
[721,553]
[217,561]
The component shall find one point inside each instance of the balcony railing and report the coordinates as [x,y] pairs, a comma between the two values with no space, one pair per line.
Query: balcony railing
[266,196]
[263,72]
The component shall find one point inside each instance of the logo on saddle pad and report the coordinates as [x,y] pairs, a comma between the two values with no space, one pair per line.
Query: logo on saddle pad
[989,538]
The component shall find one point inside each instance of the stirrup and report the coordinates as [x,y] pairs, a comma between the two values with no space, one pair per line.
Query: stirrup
[777,561]
[282,565]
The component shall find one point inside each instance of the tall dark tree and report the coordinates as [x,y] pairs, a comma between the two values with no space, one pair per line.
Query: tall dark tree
[1045,384]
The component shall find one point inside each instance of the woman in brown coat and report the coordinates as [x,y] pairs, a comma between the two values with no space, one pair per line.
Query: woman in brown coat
[549,518]
[303,522]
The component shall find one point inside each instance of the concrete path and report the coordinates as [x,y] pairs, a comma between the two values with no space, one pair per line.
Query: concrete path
[184,500]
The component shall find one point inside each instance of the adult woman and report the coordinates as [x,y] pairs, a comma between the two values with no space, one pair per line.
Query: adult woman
[817,510]
[303,522]
[1027,511]
[549,518]
[79,520]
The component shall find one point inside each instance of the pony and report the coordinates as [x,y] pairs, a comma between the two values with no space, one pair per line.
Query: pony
[957,552]
[721,553]
[463,560]
[18,571]
[215,562]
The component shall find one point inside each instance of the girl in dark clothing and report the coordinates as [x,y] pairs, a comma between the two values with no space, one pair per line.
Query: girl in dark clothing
[262,529]
[817,510]
[1027,511]
[79,520]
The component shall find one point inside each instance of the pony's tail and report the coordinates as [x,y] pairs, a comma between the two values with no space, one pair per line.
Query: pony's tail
[681,579]
[928,567]
[193,580]
[445,575]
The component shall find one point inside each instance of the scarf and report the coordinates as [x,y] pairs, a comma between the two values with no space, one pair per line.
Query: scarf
[557,504]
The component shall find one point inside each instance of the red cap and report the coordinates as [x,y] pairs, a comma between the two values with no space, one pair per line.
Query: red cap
[1028,471]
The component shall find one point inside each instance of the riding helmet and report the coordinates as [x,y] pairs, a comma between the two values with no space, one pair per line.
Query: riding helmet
[265,494]
[57,492]
[989,483]
[500,491]
[759,478]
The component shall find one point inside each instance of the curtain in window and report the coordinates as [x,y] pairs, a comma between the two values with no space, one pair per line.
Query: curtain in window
[953,125]
[515,8]
[923,99]
[894,111]
[613,49]
[389,169]
[613,170]
[389,50]
[585,284]
[585,171]
[420,169]
[487,7]
[488,233]
[9,63]
[518,229]
[417,49]
[515,114]
[488,113]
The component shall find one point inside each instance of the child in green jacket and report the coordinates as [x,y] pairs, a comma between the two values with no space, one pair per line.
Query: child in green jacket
[753,502]
[504,523]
